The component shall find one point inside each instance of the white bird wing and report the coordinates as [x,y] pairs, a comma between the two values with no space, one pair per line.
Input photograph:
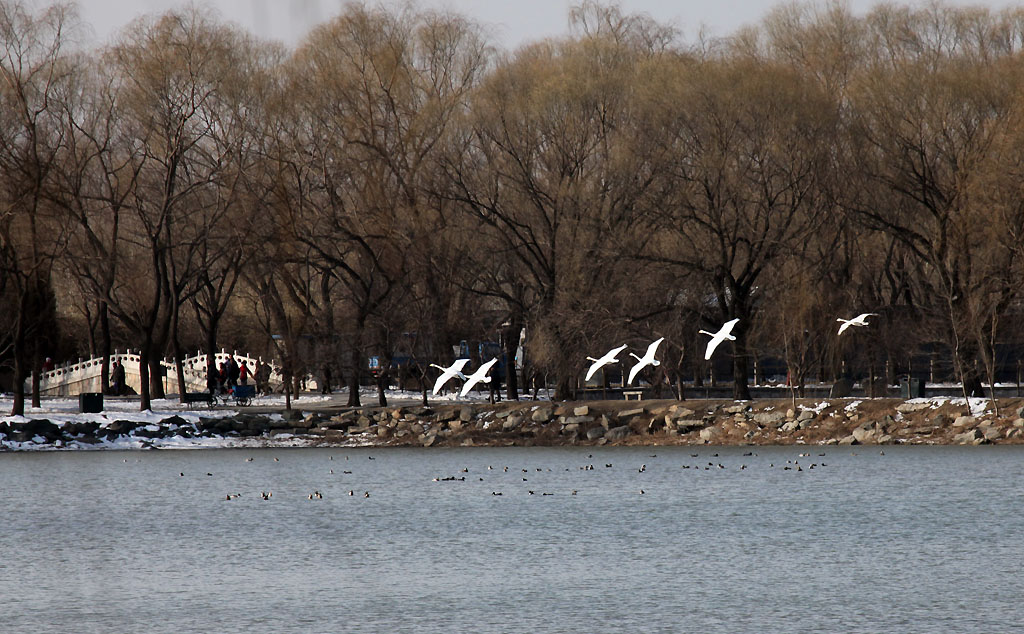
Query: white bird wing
[476,377]
[711,347]
[609,357]
[728,326]
[448,373]
[651,349]
[720,336]
[439,383]
[470,382]
[846,324]
[862,318]
[635,370]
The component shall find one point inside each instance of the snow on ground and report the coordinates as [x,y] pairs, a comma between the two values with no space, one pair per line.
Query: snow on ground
[978,406]
[64,410]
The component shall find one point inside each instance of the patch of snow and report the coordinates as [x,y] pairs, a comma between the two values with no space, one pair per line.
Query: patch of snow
[820,407]
[852,407]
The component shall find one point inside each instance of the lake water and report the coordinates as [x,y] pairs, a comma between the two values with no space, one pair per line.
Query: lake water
[920,539]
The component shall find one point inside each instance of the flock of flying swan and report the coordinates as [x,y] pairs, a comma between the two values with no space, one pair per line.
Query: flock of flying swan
[724,333]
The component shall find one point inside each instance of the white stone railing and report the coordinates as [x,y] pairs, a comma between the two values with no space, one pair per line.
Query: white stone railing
[85,375]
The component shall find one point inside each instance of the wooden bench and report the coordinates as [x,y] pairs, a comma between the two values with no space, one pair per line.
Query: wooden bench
[631,395]
[198,397]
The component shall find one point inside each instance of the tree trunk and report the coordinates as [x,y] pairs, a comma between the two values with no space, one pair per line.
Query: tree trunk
[20,373]
[105,344]
[382,398]
[156,376]
[144,393]
[36,365]
[355,363]
[286,375]
[179,367]
[511,346]
[740,361]
[563,392]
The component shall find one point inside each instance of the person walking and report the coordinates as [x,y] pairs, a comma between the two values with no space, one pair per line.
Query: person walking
[326,388]
[243,373]
[233,373]
[118,378]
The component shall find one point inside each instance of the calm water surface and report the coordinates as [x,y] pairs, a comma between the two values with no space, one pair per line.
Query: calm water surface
[920,539]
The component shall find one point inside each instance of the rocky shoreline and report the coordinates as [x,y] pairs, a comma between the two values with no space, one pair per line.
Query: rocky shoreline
[941,421]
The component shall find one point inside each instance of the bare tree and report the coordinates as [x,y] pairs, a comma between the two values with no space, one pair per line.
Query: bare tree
[555,167]
[749,179]
[33,67]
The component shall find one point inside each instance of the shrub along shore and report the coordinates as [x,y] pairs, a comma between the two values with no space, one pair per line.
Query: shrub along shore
[770,422]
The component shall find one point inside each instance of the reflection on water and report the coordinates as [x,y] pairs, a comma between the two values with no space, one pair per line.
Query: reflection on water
[917,539]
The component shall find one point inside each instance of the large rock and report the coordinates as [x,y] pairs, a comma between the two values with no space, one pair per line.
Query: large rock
[121,427]
[708,434]
[805,414]
[541,415]
[863,433]
[511,423]
[627,413]
[992,433]
[769,418]
[577,420]
[466,414]
[582,410]
[687,425]
[969,437]
[595,432]
[849,440]
[907,408]
[964,421]
[791,426]
[617,433]
[678,411]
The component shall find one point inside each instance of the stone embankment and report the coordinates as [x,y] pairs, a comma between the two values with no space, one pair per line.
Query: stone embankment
[838,422]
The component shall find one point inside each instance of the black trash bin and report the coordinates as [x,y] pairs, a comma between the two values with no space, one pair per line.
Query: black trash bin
[911,387]
[90,402]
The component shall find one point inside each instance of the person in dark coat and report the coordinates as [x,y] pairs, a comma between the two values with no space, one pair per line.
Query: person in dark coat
[118,378]
[326,387]
[212,378]
[233,373]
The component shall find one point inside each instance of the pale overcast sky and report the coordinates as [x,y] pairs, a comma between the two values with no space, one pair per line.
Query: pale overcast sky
[512,22]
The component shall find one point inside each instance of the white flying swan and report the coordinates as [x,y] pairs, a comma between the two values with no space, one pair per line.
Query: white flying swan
[452,371]
[718,337]
[644,361]
[610,357]
[859,320]
[478,376]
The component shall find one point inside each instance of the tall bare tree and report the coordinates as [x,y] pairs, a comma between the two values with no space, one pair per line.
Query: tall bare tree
[33,70]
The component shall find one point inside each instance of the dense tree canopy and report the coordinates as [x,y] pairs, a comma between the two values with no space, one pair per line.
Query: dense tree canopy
[395,186]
